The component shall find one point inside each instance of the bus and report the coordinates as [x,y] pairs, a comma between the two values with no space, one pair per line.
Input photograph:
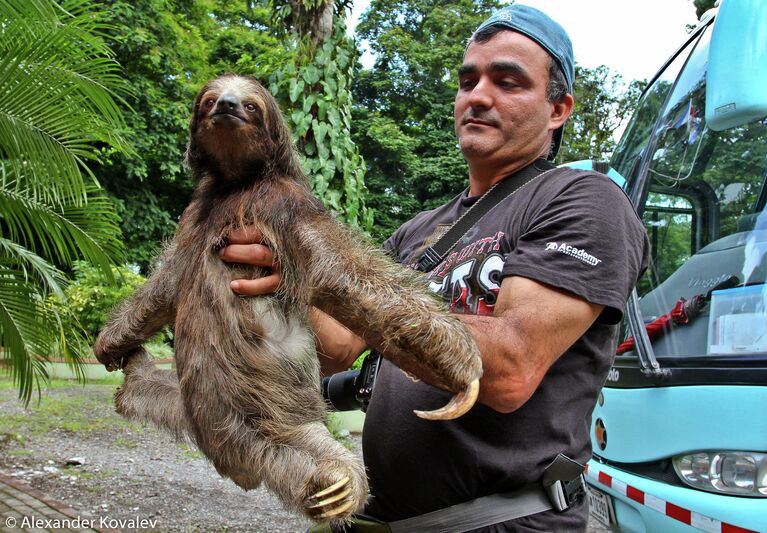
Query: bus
[679,431]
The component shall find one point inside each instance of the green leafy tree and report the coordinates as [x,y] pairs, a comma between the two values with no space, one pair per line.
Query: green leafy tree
[59,110]
[167,51]
[603,103]
[160,57]
[315,90]
[89,298]
[403,115]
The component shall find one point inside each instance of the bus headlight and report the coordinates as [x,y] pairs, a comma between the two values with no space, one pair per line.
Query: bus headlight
[736,473]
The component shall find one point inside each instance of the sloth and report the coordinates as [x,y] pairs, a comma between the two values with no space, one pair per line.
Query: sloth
[246,384]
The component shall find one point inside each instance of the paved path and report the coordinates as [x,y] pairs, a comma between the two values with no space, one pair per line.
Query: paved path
[23,508]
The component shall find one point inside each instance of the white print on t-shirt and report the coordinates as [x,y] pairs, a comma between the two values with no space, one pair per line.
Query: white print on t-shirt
[472,286]
[578,253]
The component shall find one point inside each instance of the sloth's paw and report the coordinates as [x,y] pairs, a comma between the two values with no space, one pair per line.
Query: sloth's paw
[336,494]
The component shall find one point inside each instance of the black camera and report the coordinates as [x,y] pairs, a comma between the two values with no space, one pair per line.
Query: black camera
[351,390]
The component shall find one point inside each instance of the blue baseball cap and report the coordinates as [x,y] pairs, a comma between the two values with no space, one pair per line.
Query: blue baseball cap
[540,28]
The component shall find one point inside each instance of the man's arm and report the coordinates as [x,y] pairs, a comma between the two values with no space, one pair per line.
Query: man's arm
[337,347]
[532,326]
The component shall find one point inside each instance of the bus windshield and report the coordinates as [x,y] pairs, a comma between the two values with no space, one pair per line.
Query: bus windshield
[703,207]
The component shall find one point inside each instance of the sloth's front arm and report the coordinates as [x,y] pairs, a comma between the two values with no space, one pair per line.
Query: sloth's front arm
[391,308]
[138,319]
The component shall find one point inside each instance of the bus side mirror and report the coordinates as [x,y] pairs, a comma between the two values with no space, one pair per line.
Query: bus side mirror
[737,65]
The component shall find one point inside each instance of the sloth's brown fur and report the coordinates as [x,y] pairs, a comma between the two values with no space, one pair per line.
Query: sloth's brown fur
[246,385]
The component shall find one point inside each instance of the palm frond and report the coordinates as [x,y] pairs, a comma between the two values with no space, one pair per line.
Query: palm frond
[28,330]
[63,233]
[60,90]
[35,269]
[59,95]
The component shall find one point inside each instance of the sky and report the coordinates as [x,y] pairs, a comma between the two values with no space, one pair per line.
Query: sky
[631,38]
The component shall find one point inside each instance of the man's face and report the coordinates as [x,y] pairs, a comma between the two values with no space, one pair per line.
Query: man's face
[501,112]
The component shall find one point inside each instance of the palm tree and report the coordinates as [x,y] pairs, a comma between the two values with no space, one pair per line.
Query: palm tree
[58,91]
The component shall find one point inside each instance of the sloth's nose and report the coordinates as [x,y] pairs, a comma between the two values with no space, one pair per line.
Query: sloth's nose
[228,102]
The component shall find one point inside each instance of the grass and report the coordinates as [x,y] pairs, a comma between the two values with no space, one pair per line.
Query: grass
[7,383]
[334,426]
[61,406]
[190,451]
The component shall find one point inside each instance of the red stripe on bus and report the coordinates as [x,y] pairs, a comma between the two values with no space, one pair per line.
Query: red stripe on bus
[678,513]
[635,494]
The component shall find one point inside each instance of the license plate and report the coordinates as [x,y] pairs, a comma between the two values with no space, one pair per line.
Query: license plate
[601,506]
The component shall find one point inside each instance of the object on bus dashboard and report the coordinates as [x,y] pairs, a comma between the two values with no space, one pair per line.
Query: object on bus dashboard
[736,322]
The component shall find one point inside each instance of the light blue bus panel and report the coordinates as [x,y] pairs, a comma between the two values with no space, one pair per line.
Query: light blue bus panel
[588,164]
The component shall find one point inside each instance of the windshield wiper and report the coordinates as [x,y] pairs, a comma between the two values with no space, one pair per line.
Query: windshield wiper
[648,363]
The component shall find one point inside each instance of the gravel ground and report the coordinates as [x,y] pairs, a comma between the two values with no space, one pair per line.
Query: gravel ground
[128,471]
[131,471]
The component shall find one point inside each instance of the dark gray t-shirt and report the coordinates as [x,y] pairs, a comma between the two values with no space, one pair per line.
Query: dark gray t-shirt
[570,229]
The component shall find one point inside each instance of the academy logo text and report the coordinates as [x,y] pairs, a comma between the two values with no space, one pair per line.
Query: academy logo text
[578,253]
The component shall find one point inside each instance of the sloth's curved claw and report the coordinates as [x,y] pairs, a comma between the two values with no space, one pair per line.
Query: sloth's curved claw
[332,499]
[333,513]
[334,487]
[331,502]
[457,406]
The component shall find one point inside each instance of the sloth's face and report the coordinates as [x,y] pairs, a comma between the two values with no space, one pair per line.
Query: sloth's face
[230,123]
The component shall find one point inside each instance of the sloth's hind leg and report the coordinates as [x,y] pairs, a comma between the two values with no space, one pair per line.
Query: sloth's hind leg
[150,394]
[310,468]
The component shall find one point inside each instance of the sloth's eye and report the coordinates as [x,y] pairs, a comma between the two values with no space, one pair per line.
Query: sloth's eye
[250,107]
[209,102]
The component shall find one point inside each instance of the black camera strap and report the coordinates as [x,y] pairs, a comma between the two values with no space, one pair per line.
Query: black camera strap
[436,253]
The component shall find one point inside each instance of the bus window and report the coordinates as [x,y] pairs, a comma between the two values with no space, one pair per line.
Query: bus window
[633,143]
[705,215]
[670,223]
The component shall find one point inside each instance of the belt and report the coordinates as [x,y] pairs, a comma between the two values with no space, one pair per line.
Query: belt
[563,485]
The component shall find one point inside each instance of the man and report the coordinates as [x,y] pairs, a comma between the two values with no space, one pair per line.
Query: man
[541,283]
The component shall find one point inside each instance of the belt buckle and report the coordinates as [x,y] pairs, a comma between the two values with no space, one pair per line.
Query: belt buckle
[564,494]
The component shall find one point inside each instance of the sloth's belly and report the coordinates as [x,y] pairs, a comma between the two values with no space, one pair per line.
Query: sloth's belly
[286,335]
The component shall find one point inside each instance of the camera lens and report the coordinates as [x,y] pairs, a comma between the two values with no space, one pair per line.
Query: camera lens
[339,390]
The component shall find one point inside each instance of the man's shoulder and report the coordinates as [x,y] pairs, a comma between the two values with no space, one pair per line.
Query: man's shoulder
[585,189]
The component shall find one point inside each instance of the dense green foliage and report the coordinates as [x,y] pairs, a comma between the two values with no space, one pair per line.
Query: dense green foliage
[168,50]
[602,103]
[90,297]
[403,114]
[59,110]
[318,106]
[397,115]
[86,302]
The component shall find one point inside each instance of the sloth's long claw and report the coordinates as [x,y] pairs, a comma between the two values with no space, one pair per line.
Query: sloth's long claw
[335,486]
[337,511]
[333,505]
[458,405]
[332,499]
